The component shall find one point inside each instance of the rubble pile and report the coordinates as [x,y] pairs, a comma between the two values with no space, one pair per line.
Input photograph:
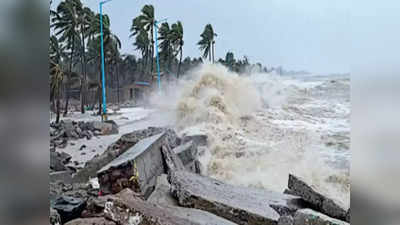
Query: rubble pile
[150,177]
[65,130]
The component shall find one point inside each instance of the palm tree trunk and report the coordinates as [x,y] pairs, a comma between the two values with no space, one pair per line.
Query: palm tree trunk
[83,84]
[152,50]
[180,61]
[58,106]
[116,68]
[69,77]
[209,54]
[212,48]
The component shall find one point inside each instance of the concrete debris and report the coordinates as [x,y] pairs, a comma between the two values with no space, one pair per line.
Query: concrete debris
[54,217]
[318,199]
[238,204]
[311,217]
[91,221]
[161,196]
[69,208]
[124,143]
[137,168]
[125,208]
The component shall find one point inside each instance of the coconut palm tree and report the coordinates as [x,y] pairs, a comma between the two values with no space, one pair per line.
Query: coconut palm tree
[142,44]
[177,39]
[56,53]
[65,22]
[207,42]
[145,21]
[86,16]
[166,48]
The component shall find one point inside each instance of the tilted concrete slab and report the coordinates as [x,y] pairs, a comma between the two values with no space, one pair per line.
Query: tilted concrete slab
[311,217]
[125,208]
[161,196]
[241,205]
[137,168]
[318,199]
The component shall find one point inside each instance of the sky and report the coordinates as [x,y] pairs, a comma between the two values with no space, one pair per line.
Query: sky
[312,35]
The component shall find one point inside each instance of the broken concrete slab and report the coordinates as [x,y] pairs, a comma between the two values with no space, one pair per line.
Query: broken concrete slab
[198,139]
[317,198]
[137,168]
[63,176]
[311,217]
[188,154]
[172,161]
[241,205]
[68,208]
[124,208]
[285,220]
[90,221]
[124,143]
[57,160]
[162,197]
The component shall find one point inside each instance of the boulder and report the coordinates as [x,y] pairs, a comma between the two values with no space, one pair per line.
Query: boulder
[311,217]
[90,221]
[137,168]
[241,205]
[69,208]
[56,162]
[162,197]
[318,199]
[125,208]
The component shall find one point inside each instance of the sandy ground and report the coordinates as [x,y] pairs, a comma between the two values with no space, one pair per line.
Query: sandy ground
[128,120]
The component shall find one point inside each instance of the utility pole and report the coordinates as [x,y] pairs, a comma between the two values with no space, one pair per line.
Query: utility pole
[104,114]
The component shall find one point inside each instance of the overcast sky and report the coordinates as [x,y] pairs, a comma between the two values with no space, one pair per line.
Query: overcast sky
[313,35]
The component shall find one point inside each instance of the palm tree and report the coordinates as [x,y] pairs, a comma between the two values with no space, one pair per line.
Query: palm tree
[166,47]
[177,39]
[86,16]
[142,43]
[56,53]
[206,44]
[145,21]
[65,21]
[109,40]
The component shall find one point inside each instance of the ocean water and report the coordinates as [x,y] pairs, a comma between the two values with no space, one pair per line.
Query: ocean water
[261,127]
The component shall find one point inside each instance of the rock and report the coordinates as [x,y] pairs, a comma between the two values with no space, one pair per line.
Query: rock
[69,208]
[82,147]
[69,128]
[56,162]
[106,128]
[311,217]
[198,139]
[125,208]
[120,146]
[238,204]
[91,221]
[317,199]
[162,197]
[54,217]
[285,220]
[137,168]
[114,127]
[63,176]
